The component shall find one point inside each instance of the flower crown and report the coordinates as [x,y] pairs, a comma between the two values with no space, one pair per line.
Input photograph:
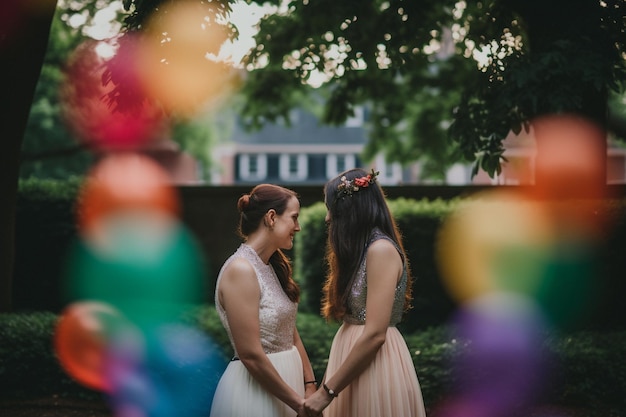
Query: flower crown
[348,187]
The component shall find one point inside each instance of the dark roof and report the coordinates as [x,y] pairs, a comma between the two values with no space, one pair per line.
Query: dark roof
[305,129]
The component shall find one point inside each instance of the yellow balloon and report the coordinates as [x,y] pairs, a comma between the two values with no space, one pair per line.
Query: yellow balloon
[473,241]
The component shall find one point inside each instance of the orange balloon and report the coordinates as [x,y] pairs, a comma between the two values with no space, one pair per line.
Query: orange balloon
[571,151]
[570,171]
[125,182]
[178,69]
[80,342]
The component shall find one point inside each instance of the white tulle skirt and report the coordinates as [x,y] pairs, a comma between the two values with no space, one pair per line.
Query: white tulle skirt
[387,388]
[238,394]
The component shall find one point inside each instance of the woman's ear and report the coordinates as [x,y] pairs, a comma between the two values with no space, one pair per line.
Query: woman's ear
[270,218]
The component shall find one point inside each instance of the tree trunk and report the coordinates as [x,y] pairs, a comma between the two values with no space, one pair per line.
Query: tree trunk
[24,33]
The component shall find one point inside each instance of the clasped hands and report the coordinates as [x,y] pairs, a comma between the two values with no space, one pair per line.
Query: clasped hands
[314,404]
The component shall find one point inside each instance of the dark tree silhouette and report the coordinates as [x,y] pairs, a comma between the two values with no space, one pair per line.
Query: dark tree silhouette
[24,32]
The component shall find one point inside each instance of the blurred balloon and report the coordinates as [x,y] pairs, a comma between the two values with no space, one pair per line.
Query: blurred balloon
[570,175]
[125,182]
[571,151]
[495,241]
[103,116]
[502,241]
[80,341]
[501,369]
[177,58]
[173,376]
[148,267]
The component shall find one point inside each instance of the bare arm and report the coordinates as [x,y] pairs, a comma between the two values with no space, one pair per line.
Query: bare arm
[239,293]
[384,267]
[307,369]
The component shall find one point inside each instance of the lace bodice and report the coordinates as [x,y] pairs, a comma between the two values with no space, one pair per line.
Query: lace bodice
[277,313]
[358,294]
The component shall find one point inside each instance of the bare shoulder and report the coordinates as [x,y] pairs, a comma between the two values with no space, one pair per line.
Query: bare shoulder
[239,274]
[383,249]
[384,263]
[238,267]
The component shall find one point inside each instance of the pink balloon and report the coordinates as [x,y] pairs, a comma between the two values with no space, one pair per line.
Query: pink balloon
[103,115]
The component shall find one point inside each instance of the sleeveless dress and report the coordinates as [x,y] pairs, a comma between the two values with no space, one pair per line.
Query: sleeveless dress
[238,394]
[389,386]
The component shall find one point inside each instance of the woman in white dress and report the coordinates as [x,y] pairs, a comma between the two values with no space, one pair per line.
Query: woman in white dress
[370,372]
[256,298]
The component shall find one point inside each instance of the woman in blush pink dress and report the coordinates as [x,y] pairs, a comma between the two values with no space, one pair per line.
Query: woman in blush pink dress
[370,372]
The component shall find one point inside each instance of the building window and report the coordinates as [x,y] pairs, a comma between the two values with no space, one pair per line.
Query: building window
[341,163]
[317,167]
[390,172]
[337,163]
[293,167]
[252,167]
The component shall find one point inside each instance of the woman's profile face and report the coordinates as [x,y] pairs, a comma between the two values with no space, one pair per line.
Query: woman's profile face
[287,224]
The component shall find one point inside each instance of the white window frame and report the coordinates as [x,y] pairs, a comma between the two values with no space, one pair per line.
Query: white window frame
[244,167]
[396,171]
[332,170]
[284,165]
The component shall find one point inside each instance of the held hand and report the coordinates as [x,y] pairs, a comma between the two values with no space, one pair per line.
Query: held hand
[301,411]
[317,402]
[309,390]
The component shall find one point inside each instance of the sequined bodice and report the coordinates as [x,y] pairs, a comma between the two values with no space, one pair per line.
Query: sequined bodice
[277,313]
[358,293]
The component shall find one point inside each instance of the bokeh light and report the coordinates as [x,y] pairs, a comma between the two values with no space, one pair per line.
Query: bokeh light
[81,336]
[173,373]
[149,276]
[571,151]
[135,271]
[501,367]
[100,114]
[521,264]
[136,261]
[177,58]
[124,182]
[133,252]
[495,241]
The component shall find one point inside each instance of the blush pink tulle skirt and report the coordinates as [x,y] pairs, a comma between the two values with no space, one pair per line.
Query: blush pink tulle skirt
[387,388]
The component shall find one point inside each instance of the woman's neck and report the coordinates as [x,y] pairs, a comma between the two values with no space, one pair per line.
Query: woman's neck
[262,247]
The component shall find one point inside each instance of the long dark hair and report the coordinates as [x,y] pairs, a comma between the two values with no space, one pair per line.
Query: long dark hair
[352,219]
[252,208]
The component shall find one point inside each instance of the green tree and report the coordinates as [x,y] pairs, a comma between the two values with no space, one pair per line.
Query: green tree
[49,150]
[25,29]
[401,57]
[441,78]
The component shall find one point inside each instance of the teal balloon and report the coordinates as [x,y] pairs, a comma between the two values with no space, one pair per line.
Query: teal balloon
[176,375]
[147,277]
[569,292]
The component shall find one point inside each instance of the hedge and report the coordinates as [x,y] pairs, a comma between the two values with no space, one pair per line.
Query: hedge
[419,222]
[45,227]
[588,370]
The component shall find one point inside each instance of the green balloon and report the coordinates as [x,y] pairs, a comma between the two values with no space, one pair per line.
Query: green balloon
[147,276]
